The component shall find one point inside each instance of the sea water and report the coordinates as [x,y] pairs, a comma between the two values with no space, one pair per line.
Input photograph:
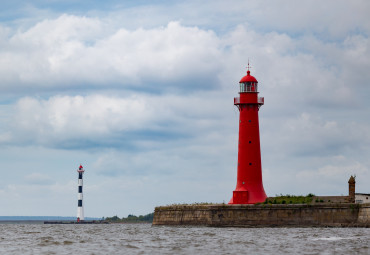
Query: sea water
[147,239]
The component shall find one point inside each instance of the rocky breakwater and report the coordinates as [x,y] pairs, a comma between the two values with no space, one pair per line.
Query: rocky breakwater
[265,215]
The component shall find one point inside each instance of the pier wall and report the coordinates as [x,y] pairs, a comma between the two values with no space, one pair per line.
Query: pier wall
[224,215]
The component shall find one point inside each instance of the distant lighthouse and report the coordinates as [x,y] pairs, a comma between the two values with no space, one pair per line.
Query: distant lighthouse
[249,187]
[80,207]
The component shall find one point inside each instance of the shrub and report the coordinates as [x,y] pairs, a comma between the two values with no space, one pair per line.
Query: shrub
[291,199]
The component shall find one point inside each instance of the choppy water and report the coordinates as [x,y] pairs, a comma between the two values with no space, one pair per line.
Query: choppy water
[145,239]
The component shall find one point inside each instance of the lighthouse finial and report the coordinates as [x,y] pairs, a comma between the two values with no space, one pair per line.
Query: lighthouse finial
[248,67]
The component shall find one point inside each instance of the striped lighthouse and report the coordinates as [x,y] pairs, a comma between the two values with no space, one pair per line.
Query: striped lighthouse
[80,207]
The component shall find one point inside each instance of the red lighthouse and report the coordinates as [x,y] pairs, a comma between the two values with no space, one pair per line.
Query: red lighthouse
[249,187]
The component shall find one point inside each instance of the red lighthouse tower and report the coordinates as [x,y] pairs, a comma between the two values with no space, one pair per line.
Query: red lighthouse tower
[249,187]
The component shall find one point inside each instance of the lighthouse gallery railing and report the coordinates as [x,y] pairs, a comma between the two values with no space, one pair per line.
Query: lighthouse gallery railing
[260,100]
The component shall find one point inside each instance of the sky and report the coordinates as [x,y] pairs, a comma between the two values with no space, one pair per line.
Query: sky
[141,94]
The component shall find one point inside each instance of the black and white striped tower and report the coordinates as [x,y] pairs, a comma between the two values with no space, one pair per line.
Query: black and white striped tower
[80,208]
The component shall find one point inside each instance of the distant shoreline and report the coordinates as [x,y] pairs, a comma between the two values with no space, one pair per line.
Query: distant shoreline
[42,218]
[21,222]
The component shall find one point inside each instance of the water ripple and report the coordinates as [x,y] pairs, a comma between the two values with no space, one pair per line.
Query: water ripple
[145,239]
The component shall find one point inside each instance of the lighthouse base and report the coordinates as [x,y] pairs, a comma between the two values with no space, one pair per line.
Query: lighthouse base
[247,197]
[239,197]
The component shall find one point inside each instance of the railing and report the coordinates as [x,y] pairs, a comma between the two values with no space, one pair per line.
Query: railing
[260,100]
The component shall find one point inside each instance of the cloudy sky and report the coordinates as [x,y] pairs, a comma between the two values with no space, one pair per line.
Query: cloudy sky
[141,94]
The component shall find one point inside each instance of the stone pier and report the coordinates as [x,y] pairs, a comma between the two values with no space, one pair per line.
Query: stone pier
[265,215]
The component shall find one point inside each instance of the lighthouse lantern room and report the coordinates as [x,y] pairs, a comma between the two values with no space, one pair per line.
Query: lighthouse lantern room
[249,188]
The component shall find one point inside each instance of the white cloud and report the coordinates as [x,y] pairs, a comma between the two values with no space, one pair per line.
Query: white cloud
[107,120]
[335,172]
[65,117]
[77,50]
[81,53]
[311,134]
[331,20]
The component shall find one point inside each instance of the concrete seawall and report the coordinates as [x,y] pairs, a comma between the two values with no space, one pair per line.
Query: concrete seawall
[265,215]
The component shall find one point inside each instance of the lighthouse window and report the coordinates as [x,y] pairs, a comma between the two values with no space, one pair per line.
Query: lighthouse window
[250,141]
[249,86]
[79,203]
[246,87]
[249,121]
[79,189]
[250,164]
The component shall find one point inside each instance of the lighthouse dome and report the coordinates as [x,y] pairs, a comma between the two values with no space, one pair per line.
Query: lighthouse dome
[248,78]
